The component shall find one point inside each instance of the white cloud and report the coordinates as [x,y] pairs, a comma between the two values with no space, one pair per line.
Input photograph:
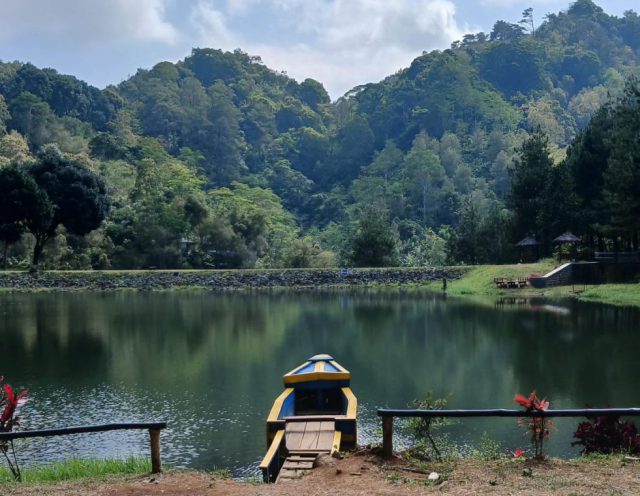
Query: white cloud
[341,43]
[211,26]
[513,3]
[88,21]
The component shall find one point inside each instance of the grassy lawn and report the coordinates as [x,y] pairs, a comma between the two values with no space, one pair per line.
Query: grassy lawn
[478,282]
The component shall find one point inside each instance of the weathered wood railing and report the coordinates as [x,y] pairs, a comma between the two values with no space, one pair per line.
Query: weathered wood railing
[389,414]
[153,427]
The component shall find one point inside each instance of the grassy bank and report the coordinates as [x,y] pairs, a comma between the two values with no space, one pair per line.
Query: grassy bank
[77,469]
[478,282]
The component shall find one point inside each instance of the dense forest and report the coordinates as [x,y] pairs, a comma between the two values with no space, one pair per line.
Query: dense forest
[217,161]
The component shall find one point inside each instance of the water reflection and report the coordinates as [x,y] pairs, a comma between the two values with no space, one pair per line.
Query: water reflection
[211,364]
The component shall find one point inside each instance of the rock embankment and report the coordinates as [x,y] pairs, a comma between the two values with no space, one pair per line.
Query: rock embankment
[221,280]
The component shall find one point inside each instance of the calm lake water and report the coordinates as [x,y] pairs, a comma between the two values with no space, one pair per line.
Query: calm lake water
[211,364]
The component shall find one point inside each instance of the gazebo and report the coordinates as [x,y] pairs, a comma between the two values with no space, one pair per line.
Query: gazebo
[529,251]
[567,238]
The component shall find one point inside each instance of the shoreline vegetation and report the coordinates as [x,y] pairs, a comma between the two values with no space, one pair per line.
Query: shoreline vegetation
[77,469]
[462,281]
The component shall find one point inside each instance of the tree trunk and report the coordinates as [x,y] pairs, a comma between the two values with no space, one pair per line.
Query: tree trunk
[37,252]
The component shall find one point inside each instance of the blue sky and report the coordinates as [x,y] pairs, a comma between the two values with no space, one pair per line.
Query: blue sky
[341,43]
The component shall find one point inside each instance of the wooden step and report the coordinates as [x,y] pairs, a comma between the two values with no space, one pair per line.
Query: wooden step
[297,465]
[303,458]
[309,452]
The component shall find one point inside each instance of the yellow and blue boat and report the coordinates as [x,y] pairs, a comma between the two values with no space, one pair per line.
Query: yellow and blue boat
[315,414]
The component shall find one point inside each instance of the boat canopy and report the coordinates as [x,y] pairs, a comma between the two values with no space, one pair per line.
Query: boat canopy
[317,368]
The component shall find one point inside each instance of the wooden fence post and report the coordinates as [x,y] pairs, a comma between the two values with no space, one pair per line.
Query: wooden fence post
[156,461]
[387,437]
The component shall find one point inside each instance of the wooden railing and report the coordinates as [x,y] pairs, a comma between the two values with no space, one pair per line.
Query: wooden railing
[389,414]
[153,427]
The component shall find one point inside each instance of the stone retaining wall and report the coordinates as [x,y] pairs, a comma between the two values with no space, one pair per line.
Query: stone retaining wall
[221,280]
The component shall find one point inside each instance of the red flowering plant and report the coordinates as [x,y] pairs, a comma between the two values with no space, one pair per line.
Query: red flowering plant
[537,427]
[9,403]
[605,434]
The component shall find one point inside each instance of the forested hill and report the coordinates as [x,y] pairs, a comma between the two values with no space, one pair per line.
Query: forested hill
[248,167]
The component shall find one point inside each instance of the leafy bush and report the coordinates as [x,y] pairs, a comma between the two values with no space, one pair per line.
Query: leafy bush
[423,427]
[607,434]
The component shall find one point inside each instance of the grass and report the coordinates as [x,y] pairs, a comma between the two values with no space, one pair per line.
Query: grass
[76,469]
[613,294]
[478,282]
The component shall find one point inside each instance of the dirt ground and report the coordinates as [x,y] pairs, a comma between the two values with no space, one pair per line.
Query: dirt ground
[365,474]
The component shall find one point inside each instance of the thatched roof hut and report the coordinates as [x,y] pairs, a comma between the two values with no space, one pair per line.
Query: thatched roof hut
[528,241]
[566,238]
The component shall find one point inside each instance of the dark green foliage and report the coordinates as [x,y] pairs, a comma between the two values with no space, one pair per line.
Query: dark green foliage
[78,195]
[531,173]
[313,93]
[23,205]
[506,31]
[4,116]
[374,244]
[622,177]
[513,67]
[65,95]
[353,149]
[587,158]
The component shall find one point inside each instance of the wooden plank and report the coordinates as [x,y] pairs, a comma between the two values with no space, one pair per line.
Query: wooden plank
[305,418]
[294,432]
[311,434]
[326,435]
[297,465]
[303,458]
[314,452]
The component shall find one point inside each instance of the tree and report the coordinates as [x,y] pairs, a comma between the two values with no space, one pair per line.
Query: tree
[313,93]
[531,172]
[505,31]
[622,177]
[224,143]
[14,149]
[4,116]
[374,244]
[527,20]
[23,206]
[78,195]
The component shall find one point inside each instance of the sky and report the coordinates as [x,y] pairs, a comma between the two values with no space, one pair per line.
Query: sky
[341,43]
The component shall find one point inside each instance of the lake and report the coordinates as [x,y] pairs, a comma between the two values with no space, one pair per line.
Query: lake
[211,364]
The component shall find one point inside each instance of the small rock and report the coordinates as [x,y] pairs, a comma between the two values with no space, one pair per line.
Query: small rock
[338,471]
[527,472]
[493,483]
[433,476]
[338,455]
[152,479]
